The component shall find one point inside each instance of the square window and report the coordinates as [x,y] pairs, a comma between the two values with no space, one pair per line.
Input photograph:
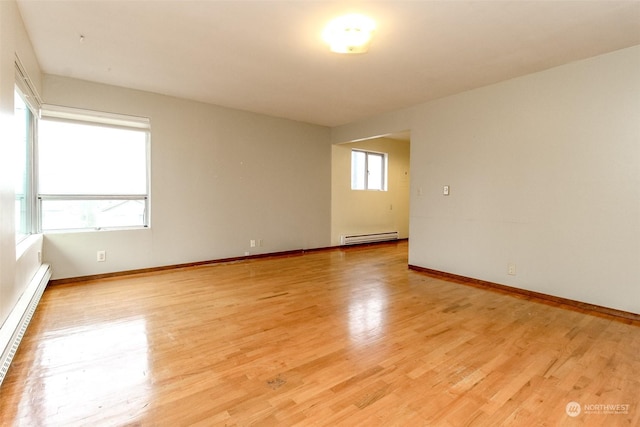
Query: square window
[91,175]
[368,170]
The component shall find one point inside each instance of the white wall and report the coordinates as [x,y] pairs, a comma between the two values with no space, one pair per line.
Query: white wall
[544,172]
[360,212]
[16,269]
[219,178]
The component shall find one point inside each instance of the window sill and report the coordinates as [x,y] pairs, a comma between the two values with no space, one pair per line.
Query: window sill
[26,244]
[95,230]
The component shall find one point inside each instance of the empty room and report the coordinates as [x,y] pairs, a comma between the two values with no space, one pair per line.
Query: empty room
[269,212]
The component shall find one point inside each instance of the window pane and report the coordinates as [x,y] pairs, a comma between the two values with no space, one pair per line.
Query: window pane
[375,163]
[88,159]
[77,214]
[22,121]
[91,176]
[358,170]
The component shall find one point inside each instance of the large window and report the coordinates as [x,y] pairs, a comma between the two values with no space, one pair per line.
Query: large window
[92,170]
[23,143]
[368,170]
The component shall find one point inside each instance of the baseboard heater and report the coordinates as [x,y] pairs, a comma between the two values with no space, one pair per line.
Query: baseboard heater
[357,239]
[16,324]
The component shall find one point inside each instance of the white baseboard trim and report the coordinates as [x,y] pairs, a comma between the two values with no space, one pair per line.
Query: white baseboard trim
[16,324]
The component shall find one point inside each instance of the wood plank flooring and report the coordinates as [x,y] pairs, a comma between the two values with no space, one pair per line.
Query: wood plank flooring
[337,337]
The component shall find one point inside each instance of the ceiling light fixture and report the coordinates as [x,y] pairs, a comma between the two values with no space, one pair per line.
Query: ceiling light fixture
[349,33]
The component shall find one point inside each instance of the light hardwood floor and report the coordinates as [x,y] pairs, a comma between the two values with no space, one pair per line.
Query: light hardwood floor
[336,337]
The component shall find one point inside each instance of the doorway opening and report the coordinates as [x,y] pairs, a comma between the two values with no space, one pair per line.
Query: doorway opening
[376,209]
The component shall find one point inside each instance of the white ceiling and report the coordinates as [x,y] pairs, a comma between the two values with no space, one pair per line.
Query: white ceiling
[268,56]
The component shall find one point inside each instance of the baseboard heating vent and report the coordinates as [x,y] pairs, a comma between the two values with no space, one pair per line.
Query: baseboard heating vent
[16,324]
[357,239]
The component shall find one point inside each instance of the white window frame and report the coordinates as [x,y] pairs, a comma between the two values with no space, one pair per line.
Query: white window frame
[383,177]
[27,196]
[30,96]
[103,119]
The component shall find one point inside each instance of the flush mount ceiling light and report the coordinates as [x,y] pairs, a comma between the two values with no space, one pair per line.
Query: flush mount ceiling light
[349,33]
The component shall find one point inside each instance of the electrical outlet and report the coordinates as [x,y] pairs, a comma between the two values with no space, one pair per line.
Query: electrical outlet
[445,190]
[252,243]
[101,256]
[260,242]
[511,269]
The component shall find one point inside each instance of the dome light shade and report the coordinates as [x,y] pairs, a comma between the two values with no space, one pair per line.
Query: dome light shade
[349,33]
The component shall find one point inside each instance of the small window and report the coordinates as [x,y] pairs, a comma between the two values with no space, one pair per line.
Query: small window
[368,170]
[91,174]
